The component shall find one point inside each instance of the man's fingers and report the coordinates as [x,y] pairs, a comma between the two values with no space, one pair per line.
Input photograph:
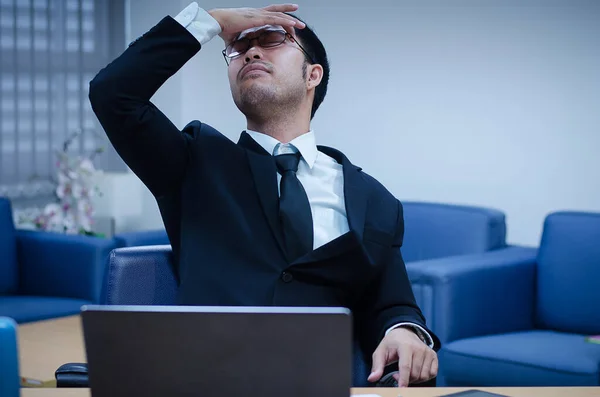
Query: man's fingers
[404,366]
[418,360]
[425,374]
[235,20]
[278,18]
[434,367]
[379,358]
[290,30]
[281,7]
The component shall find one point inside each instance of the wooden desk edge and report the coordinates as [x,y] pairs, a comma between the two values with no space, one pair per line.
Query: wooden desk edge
[389,392]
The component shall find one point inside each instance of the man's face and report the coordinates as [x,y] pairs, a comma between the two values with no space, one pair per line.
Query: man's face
[267,79]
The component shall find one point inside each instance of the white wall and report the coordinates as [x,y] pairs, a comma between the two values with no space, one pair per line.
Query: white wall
[491,103]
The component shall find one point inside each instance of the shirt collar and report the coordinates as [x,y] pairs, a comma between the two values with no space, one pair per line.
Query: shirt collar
[305,143]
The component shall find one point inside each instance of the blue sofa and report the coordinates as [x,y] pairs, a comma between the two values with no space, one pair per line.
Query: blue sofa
[447,235]
[47,275]
[521,318]
[9,359]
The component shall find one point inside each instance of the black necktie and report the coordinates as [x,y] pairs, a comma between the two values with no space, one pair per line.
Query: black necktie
[294,208]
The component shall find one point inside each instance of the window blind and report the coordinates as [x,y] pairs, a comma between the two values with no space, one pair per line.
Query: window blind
[49,51]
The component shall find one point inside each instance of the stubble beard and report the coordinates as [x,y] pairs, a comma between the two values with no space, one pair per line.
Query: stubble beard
[261,103]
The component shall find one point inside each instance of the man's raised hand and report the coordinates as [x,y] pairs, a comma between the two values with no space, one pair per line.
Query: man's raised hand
[236,20]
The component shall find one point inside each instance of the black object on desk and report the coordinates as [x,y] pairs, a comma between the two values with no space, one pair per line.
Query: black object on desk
[72,375]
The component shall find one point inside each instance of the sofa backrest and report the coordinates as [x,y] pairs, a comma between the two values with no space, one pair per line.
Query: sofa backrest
[568,273]
[9,270]
[439,230]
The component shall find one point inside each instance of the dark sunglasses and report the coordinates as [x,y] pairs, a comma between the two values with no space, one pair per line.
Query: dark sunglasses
[266,39]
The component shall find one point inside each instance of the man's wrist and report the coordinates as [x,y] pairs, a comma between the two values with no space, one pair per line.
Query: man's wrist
[214,13]
[417,329]
[407,328]
[200,23]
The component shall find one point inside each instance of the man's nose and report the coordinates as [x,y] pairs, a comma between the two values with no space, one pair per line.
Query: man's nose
[253,52]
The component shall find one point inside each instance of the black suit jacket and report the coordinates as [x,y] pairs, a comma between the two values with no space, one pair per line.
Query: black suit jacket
[219,204]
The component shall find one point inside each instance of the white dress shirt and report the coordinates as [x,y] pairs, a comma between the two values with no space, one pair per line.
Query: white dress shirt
[323,180]
[321,176]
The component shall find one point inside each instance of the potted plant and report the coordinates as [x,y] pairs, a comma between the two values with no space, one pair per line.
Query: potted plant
[73,210]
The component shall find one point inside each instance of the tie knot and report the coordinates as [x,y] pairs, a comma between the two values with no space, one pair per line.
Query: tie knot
[287,162]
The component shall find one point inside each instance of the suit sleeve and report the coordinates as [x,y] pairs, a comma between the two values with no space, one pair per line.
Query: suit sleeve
[149,143]
[393,298]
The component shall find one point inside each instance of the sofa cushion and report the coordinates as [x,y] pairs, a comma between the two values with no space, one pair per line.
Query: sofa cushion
[569,273]
[442,230]
[34,308]
[8,250]
[530,358]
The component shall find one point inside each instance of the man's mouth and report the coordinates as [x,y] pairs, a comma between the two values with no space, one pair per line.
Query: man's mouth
[253,69]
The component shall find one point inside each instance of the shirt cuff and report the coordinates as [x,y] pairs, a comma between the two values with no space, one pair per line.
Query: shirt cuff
[199,23]
[420,331]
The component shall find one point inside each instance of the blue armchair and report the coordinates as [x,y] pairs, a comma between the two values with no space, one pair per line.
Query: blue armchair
[9,360]
[520,318]
[47,275]
[450,235]
[435,230]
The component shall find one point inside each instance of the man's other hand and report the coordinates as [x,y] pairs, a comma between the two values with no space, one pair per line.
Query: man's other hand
[417,362]
[236,20]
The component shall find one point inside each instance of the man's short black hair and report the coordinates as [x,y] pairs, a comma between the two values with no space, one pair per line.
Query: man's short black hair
[314,47]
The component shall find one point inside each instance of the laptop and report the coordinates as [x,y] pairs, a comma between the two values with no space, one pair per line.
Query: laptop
[218,351]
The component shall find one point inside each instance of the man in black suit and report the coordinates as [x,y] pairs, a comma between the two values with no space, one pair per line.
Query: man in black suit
[274,219]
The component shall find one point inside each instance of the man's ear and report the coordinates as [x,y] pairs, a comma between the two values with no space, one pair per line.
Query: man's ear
[315,75]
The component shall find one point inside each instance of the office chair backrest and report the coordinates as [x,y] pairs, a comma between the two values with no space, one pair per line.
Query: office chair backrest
[140,276]
[568,273]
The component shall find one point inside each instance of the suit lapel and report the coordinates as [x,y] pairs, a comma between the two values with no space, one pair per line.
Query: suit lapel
[264,173]
[356,197]
[356,191]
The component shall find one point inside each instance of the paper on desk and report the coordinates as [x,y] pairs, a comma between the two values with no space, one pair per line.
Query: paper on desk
[29,382]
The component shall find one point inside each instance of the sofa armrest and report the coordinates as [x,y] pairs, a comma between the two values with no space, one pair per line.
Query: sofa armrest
[61,265]
[478,294]
[9,358]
